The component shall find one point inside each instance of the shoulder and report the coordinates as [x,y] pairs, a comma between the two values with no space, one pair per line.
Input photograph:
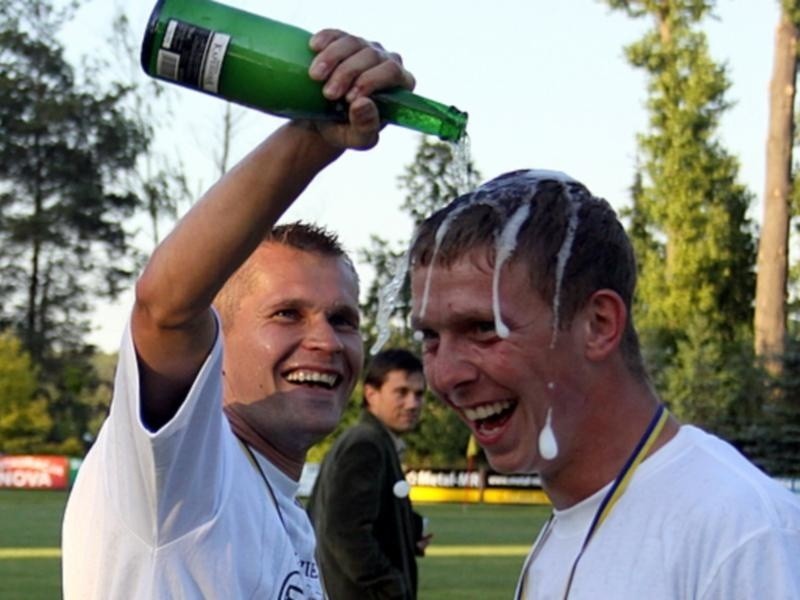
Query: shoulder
[720,511]
[356,444]
[735,477]
[710,481]
[367,431]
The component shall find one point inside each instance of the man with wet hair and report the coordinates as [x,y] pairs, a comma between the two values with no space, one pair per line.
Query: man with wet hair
[368,534]
[189,490]
[522,292]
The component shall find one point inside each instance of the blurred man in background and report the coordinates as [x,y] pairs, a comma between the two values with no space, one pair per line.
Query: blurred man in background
[368,535]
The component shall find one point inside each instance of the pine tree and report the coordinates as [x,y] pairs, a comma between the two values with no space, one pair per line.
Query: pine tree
[68,146]
[696,285]
[63,146]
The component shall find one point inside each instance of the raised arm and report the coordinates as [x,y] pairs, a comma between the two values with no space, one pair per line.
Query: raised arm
[172,325]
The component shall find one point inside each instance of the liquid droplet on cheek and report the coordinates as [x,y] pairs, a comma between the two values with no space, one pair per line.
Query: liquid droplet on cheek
[548,445]
[501,329]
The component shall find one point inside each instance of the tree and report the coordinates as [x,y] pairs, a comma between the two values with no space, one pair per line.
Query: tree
[63,146]
[231,119]
[159,179]
[696,285]
[439,173]
[773,248]
[24,421]
[72,174]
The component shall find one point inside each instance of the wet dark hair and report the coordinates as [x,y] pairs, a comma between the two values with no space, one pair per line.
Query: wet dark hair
[391,359]
[600,255]
[299,235]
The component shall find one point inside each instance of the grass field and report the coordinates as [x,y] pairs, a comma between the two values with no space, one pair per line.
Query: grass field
[30,521]
[476,553]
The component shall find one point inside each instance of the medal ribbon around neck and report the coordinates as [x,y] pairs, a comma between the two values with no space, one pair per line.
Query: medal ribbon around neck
[614,493]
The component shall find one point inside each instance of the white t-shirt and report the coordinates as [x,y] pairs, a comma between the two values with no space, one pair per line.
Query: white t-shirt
[698,521]
[182,512]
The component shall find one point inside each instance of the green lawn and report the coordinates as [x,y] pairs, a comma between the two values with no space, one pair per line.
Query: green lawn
[32,520]
[476,577]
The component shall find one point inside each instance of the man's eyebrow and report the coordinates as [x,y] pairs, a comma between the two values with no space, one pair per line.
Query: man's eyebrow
[283,303]
[345,310]
[457,318]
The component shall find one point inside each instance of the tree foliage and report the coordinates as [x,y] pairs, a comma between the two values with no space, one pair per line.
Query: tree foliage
[63,146]
[159,179]
[24,421]
[70,144]
[695,244]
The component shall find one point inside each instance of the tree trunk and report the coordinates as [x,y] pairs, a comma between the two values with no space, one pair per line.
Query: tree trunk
[773,248]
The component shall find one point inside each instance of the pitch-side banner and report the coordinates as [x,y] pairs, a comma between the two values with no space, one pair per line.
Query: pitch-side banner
[450,485]
[35,472]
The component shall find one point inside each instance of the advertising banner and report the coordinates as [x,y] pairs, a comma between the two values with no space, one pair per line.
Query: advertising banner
[34,472]
[450,485]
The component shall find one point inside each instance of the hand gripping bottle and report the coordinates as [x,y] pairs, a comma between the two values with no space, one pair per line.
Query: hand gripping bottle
[257,62]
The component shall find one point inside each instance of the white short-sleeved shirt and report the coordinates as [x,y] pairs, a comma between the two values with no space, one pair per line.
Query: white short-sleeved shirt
[698,522]
[182,512]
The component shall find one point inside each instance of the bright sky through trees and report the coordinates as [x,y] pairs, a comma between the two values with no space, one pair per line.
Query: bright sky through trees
[545,84]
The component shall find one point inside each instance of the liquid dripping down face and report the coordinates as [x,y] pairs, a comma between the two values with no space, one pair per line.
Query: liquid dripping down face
[491,419]
[501,387]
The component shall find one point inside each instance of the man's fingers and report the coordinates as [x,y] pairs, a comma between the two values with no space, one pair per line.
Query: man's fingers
[365,123]
[352,67]
[387,74]
[322,38]
[333,47]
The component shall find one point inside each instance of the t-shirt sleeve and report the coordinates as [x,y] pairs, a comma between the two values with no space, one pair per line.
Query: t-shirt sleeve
[168,482]
[767,565]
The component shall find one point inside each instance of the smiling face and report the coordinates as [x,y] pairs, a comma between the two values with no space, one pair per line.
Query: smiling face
[293,350]
[397,403]
[501,387]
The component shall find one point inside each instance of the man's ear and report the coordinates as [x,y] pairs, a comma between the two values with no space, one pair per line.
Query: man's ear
[369,393]
[606,317]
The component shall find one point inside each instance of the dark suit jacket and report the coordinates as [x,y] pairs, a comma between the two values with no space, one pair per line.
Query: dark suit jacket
[366,535]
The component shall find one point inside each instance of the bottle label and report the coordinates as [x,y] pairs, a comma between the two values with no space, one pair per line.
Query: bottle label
[192,56]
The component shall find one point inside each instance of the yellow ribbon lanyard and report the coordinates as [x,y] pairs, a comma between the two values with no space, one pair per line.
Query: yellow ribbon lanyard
[612,496]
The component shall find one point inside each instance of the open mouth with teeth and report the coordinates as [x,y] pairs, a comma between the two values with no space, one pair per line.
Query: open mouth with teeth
[316,379]
[490,417]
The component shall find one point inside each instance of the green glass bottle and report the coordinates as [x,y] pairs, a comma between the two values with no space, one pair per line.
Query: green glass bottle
[257,62]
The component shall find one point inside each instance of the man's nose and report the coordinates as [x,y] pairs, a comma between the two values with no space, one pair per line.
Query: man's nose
[450,370]
[321,335]
[413,400]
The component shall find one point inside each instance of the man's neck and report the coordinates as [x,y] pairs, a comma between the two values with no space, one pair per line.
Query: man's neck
[608,442]
[399,444]
[292,466]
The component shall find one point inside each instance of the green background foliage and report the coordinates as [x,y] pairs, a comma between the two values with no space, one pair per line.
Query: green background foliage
[76,165]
